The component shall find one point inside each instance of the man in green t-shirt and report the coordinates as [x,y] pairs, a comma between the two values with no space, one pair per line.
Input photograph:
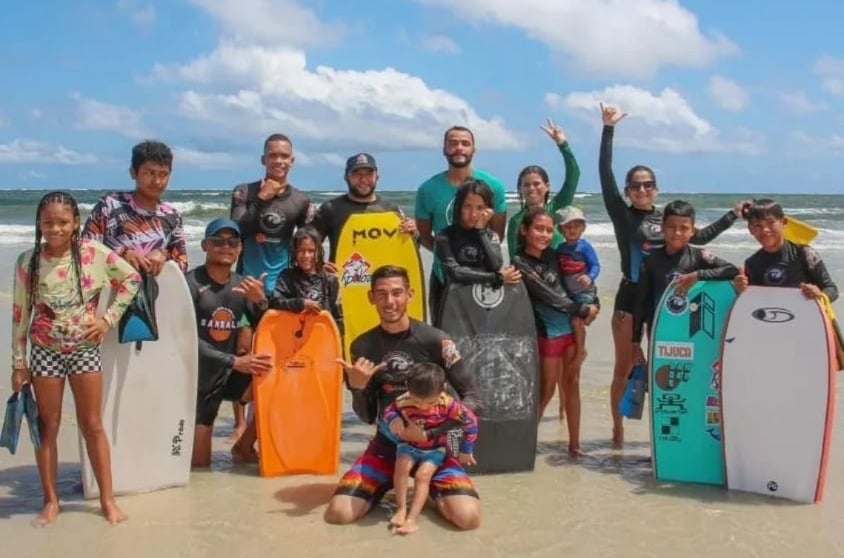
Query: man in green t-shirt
[435,197]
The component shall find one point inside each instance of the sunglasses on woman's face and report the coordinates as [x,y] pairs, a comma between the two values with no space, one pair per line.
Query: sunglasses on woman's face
[219,241]
[643,185]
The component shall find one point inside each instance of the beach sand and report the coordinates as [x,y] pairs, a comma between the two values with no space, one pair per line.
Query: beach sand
[603,504]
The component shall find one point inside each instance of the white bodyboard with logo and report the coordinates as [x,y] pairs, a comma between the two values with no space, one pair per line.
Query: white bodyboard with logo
[149,396]
[777,394]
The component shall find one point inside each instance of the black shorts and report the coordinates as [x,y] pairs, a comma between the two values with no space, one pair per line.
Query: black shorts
[625,297]
[208,404]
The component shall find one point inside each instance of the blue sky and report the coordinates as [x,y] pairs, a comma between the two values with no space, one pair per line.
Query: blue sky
[722,96]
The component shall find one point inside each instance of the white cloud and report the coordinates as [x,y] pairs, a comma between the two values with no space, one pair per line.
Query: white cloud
[205,160]
[728,94]
[799,103]
[440,43]
[97,115]
[268,89]
[817,146]
[831,72]
[320,159]
[29,151]
[664,122]
[611,37]
[271,22]
[141,15]
[32,175]
[36,113]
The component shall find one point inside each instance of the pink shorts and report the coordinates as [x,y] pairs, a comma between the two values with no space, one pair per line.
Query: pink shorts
[555,347]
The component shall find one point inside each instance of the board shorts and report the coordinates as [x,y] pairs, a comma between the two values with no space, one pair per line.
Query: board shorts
[555,347]
[371,475]
[208,404]
[587,296]
[435,456]
[46,363]
[625,297]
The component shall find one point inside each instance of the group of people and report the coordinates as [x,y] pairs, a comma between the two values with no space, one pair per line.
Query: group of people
[396,372]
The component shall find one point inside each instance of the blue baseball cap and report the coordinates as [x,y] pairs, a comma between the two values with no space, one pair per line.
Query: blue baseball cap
[360,161]
[220,224]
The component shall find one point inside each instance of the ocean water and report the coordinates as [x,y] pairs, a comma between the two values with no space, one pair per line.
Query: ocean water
[825,212]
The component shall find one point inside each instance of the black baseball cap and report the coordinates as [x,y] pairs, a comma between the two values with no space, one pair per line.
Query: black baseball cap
[360,161]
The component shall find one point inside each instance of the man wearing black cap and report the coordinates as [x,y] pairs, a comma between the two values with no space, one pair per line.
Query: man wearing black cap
[225,304]
[361,178]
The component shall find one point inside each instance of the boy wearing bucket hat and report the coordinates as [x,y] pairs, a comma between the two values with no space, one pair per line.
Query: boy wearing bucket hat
[579,268]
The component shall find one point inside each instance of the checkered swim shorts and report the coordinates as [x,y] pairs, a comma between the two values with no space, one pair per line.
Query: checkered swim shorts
[51,364]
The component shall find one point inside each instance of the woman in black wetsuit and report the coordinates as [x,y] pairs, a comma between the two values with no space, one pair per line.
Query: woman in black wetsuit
[637,231]
[469,251]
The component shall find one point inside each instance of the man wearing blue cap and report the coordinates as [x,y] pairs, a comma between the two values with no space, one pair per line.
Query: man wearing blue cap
[225,305]
[361,179]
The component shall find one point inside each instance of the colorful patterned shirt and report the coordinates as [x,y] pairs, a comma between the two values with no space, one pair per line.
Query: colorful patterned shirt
[58,318]
[122,225]
[447,409]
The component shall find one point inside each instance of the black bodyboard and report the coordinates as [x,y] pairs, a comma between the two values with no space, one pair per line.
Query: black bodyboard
[494,330]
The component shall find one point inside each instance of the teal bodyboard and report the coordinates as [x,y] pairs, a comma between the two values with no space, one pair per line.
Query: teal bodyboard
[684,379]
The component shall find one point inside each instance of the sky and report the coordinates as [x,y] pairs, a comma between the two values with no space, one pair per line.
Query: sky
[721,96]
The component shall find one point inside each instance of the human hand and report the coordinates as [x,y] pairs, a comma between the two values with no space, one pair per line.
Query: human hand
[408,226]
[740,282]
[554,132]
[684,282]
[252,289]
[610,115]
[137,260]
[20,376]
[510,275]
[466,459]
[810,291]
[269,189]
[584,280]
[312,306]
[414,434]
[255,364]
[156,260]
[361,371]
[593,313]
[96,331]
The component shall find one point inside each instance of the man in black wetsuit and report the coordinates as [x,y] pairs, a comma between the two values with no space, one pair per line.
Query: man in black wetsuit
[361,179]
[225,303]
[381,358]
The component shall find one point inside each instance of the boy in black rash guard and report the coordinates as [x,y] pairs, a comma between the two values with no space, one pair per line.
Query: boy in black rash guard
[225,303]
[677,262]
[377,375]
[307,285]
[638,231]
[468,250]
[361,178]
[782,263]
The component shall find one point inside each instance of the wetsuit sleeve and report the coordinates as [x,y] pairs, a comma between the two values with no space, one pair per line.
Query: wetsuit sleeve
[593,266]
[320,221]
[21,311]
[334,305]
[461,273]
[492,248]
[565,196]
[616,208]
[644,304]
[284,296]
[818,274]
[177,247]
[709,233]
[541,291]
[364,401]
[711,267]
[513,234]
[245,210]
[468,424]
[95,226]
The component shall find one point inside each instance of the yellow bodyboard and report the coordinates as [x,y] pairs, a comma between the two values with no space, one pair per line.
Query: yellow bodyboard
[366,242]
[799,232]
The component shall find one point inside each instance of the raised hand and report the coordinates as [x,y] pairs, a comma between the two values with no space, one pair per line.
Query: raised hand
[740,282]
[251,288]
[611,115]
[554,132]
[361,371]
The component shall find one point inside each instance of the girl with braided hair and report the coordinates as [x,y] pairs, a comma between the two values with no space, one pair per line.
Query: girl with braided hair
[57,286]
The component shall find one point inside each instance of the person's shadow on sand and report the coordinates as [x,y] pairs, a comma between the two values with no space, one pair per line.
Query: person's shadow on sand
[23,491]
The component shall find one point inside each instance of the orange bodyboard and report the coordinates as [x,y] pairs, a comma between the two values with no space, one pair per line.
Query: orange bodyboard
[298,405]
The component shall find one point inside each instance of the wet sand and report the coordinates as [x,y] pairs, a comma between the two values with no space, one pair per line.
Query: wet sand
[603,504]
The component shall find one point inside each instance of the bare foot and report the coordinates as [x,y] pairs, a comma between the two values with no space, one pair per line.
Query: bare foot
[617,437]
[398,518]
[112,512]
[236,434]
[575,451]
[241,455]
[47,516]
[408,527]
